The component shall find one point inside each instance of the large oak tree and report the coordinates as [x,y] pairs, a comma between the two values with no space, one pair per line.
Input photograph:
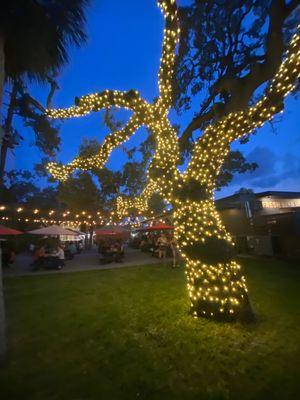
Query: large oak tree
[257,66]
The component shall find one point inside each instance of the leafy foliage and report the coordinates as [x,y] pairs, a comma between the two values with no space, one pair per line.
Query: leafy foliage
[19,187]
[80,193]
[235,163]
[46,132]
[227,51]
[37,34]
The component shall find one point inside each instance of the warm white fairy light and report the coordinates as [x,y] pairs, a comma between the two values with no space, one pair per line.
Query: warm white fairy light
[216,285]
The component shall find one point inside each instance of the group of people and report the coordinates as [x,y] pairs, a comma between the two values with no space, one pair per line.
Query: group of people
[48,259]
[160,245]
[71,249]
[55,257]
[111,250]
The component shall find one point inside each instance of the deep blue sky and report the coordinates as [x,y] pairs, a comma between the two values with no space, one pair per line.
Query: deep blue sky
[123,52]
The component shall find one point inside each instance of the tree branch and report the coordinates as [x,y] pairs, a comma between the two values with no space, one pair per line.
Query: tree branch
[240,89]
[111,141]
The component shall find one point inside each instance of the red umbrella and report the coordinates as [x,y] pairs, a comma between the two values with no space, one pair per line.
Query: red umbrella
[106,233]
[8,231]
[157,227]
[112,231]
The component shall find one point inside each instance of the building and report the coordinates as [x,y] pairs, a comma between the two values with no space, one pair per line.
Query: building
[266,223]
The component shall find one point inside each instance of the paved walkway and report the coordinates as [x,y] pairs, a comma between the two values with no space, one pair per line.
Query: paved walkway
[88,260]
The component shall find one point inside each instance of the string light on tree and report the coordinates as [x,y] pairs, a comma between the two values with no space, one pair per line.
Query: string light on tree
[216,285]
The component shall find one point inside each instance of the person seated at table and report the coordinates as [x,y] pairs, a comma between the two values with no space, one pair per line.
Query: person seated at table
[72,248]
[79,246]
[70,251]
[39,257]
[104,250]
[116,251]
[113,252]
[59,257]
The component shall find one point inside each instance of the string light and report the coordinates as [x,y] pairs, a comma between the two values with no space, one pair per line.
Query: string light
[216,286]
[56,216]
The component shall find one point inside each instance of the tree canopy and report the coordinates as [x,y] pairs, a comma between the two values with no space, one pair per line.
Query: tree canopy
[37,35]
[228,51]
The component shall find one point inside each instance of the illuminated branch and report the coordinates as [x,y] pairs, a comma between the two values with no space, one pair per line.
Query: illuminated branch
[140,202]
[113,140]
[262,68]
[95,102]
[212,148]
[154,116]
[171,38]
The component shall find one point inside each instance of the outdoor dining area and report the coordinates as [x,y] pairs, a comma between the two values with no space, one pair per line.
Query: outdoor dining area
[56,247]
[49,247]
[156,239]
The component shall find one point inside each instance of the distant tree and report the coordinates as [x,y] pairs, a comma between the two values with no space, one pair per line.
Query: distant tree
[34,40]
[35,36]
[243,190]
[235,163]
[31,115]
[80,193]
[19,187]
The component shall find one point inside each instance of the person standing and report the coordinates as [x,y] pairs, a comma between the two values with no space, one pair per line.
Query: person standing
[71,250]
[162,243]
[173,246]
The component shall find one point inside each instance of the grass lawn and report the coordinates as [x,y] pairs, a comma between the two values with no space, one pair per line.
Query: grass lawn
[126,334]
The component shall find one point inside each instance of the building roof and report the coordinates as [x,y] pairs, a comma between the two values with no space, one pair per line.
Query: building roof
[274,193]
[279,194]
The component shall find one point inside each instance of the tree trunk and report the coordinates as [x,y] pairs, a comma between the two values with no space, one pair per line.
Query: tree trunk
[2,308]
[2,71]
[216,286]
[3,153]
[2,316]
[7,131]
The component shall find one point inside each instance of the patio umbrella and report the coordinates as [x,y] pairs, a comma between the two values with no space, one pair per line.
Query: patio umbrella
[53,230]
[4,230]
[157,227]
[112,231]
[76,231]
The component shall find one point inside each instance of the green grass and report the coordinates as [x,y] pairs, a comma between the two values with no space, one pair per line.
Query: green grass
[126,334]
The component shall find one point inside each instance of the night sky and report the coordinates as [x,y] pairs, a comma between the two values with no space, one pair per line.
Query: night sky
[123,52]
